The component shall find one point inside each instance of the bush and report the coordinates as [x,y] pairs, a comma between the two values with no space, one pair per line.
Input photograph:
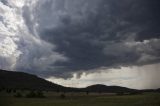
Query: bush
[120,93]
[40,94]
[87,92]
[14,91]
[9,90]
[1,90]
[62,96]
[18,95]
[135,93]
[33,94]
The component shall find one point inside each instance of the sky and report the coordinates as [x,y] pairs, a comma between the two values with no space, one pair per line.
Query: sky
[78,43]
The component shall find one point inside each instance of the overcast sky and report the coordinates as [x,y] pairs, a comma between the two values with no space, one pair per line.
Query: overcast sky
[82,42]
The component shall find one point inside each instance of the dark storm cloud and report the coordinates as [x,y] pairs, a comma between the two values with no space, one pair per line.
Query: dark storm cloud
[98,33]
[152,22]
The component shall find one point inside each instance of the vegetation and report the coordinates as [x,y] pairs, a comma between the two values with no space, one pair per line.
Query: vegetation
[32,94]
[63,96]
[23,81]
[21,89]
[18,95]
[120,93]
[81,99]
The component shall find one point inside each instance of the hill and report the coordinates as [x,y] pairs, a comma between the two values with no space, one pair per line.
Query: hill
[21,80]
[110,89]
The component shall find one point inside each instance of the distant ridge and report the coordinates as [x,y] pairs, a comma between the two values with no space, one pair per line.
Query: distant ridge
[111,89]
[21,80]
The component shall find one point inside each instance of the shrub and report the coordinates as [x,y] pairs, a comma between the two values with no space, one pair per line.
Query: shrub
[87,92]
[14,91]
[8,90]
[18,95]
[135,93]
[58,90]
[120,93]
[0,89]
[33,94]
[40,94]
[62,96]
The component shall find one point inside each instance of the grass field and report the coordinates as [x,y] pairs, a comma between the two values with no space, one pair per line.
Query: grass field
[82,99]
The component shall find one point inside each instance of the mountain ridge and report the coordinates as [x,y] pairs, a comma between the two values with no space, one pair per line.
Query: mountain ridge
[21,80]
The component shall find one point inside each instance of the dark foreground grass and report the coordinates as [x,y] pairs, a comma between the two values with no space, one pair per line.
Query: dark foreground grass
[80,99]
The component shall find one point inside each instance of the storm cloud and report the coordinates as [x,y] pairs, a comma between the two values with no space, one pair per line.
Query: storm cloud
[63,37]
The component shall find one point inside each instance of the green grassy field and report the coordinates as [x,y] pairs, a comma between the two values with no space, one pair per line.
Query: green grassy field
[81,99]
